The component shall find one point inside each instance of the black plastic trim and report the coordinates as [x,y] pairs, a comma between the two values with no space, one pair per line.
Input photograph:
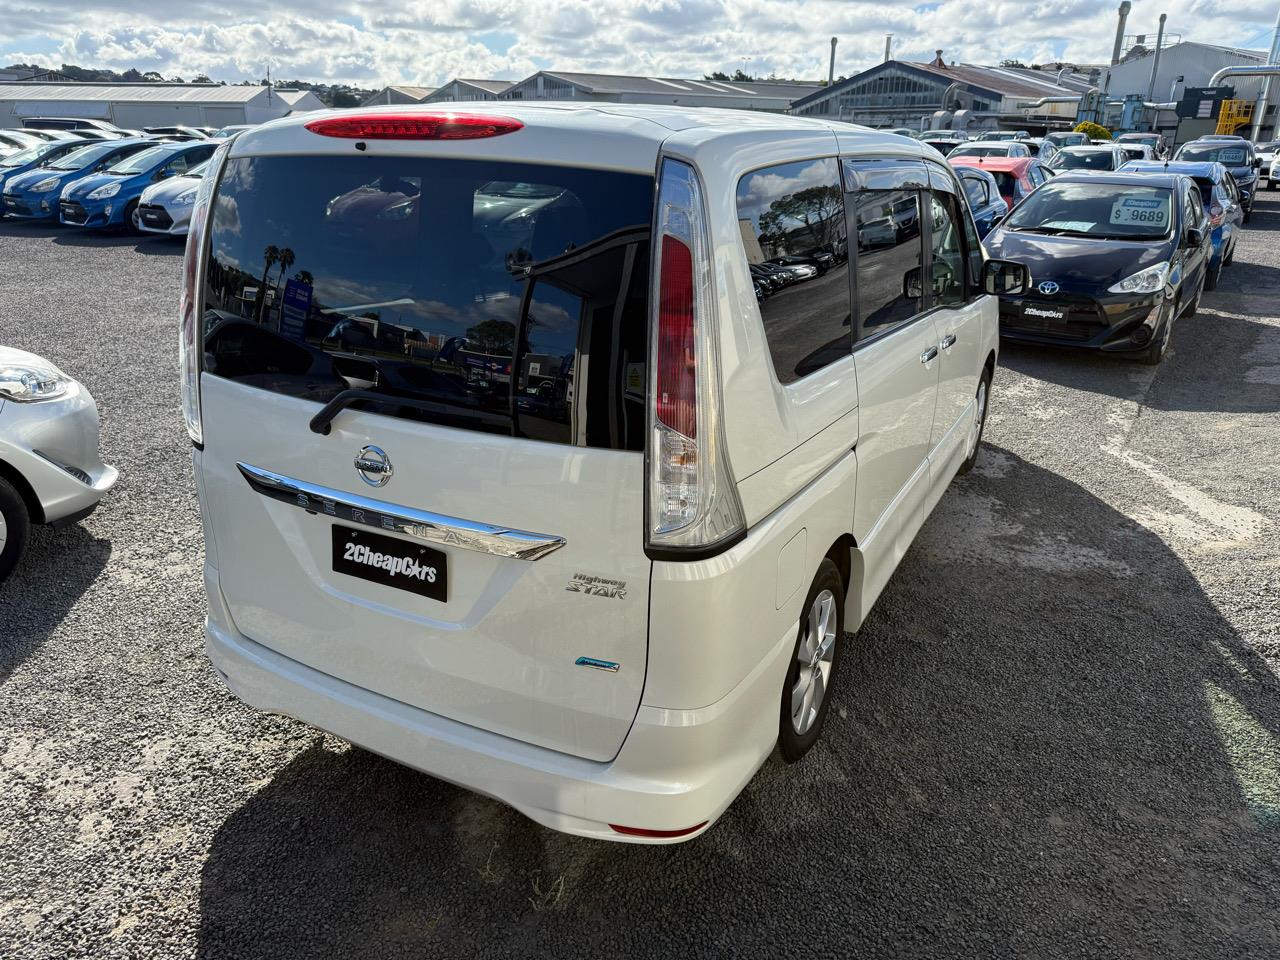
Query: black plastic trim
[688,554]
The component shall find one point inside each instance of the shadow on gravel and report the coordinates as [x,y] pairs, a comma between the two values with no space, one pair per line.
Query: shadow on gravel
[1046,742]
[1221,362]
[65,236]
[58,567]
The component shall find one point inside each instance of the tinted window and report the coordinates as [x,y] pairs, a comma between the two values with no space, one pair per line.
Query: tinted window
[87,156]
[138,162]
[888,251]
[975,190]
[503,297]
[947,284]
[1228,156]
[1085,160]
[791,218]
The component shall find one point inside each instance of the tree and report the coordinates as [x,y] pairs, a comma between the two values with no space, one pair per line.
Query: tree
[286,261]
[815,210]
[152,77]
[270,257]
[493,336]
[1012,63]
[201,78]
[715,75]
[341,98]
[742,77]
[1094,131]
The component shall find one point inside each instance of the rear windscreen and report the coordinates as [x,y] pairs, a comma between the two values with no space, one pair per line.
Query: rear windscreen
[495,296]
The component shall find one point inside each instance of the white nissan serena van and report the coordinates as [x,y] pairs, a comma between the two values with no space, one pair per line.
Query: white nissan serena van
[509,472]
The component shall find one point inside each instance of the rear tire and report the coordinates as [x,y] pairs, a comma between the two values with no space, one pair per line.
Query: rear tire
[1212,275]
[983,399]
[815,661]
[15,526]
[130,217]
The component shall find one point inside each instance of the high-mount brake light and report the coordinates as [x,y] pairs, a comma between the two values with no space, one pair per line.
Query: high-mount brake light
[414,126]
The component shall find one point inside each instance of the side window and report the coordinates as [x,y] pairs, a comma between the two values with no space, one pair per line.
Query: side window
[791,218]
[1193,209]
[975,191]
[889,259]
[176,166]
[946,251]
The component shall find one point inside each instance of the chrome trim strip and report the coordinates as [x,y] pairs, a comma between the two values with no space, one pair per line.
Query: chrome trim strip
[420,524]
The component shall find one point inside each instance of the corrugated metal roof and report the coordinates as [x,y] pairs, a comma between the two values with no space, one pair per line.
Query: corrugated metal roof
[130,92]
[614,83]
[492,86]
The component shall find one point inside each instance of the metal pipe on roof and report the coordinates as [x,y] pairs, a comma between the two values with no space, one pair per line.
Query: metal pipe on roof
[1273,59]
[1124,15]
[1155,63]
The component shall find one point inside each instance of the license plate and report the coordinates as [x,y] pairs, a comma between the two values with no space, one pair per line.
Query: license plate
[390,562]
[151,217]
[1040,312]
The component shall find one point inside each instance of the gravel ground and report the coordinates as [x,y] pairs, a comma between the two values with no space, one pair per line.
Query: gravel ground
[1057,736]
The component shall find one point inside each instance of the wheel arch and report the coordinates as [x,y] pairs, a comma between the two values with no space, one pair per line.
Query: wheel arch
[35,512]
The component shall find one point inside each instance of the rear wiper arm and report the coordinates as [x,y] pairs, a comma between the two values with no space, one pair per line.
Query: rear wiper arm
[320,423]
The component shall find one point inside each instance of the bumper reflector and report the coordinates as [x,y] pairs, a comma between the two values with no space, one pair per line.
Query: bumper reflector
[657,834]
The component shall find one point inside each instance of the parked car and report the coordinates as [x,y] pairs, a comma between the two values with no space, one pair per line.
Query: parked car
[982,192]
[70,123]
[50,469]
[1267,152]
[1136,151]
[230,131]
[1016,177]
[165,207]
[540,600]
[990,148]
[11,141]
[33,158]
[1234,153]
[944,145]
[1156,141]
[34,195]
[1004,135]
[1116,258]
[1098,158]
[1040,148]
[1222,203]
[176,132]
[1274,173]
[47,135]
[1067,138]
[111,198]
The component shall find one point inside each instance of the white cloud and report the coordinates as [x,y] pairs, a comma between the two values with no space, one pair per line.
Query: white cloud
[430,41]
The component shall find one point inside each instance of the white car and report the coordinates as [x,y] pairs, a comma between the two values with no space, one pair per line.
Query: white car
[564,515]
[165,207]
[1100,157]
[50,470]
[991,148]
[1268,153]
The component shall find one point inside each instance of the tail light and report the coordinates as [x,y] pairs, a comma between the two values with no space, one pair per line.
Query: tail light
[1216,214]
[190,339]
[693,507]
[413,126]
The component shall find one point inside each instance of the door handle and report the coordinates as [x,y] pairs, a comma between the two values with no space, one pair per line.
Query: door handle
[928,355]
[948,341]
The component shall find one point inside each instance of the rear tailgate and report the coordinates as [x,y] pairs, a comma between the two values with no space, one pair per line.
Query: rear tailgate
[497,311]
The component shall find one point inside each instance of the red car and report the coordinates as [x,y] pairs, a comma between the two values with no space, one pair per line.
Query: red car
[1016,176]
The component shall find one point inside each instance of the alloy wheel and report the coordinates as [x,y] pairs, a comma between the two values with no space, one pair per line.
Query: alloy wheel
[813,658]
[4,532]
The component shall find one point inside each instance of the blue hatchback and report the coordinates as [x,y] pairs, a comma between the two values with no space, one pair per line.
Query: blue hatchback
[1236,155]
[1222,202]
[110,198]
[983,193]
[41,155]
[34,195]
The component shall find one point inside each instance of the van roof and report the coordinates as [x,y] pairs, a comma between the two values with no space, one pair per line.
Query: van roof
[638,124]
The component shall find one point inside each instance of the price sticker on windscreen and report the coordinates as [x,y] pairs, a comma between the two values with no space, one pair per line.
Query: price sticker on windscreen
[1147,211]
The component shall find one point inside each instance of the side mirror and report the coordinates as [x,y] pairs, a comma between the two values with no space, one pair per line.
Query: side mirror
[913,284]
[163,175]
[1195,236]
[1005,278]
[1257,163]
[996,218]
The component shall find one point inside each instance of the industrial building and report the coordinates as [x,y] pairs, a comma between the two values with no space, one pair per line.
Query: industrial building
[468,91]
[938,95]
[1189,66]
[398,94]
[776,96]
[137,105]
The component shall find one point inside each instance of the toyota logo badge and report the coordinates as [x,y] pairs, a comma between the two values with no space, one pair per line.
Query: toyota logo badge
[1048,288]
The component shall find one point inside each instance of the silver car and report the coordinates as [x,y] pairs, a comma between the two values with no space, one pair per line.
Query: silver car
[50,469]
[165,207]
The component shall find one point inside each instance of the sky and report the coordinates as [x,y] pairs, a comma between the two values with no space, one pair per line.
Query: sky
[428,42]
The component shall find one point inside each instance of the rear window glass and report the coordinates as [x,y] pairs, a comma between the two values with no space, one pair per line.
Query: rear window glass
[1203,153]
[1085,160]
[494,296]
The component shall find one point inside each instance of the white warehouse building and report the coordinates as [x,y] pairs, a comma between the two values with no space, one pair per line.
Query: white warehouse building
[137,105]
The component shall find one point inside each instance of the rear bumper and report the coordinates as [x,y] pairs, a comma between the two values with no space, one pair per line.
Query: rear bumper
[677,768]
